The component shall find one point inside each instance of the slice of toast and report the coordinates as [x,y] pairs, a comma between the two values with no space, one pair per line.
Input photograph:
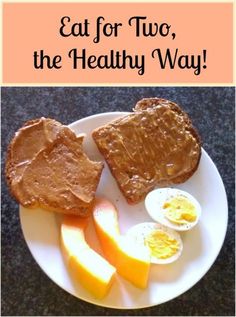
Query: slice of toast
[47,168]
[156,145]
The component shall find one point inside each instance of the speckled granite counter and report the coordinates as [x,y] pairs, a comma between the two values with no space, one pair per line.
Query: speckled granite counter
[26,290]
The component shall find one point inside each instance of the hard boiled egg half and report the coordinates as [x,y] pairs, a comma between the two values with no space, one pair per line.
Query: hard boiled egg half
[173,208]
[164,244]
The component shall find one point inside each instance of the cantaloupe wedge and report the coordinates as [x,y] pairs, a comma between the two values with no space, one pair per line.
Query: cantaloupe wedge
[132,261]
[85,265]
[107,228]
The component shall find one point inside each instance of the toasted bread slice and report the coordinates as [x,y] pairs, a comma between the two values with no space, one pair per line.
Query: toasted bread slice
[46,167]
[156,145]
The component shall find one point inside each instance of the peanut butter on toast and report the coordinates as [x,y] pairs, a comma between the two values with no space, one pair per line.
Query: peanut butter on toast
[46,167]
[154,146]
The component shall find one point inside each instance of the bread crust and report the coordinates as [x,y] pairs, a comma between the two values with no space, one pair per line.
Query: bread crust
[135,186]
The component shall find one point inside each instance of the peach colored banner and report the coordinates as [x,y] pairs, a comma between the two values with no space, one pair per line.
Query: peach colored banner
[60,43]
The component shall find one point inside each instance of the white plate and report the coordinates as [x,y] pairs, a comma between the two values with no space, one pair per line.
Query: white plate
[201,245]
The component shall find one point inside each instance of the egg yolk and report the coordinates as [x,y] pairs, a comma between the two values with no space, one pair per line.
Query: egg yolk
[161,245]
[180,210]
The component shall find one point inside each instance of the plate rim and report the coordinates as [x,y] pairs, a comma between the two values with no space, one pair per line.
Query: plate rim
[184,290]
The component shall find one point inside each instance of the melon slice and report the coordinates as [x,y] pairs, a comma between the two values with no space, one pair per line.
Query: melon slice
[131,260]
[86,266]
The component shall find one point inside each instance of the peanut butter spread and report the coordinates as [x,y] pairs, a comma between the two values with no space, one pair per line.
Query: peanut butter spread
[154,146]
[46,167]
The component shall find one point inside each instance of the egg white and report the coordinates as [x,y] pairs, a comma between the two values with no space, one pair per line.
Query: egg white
[155,200]
[140,231]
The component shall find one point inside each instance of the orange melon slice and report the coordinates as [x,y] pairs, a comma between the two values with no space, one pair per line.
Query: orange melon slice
[85,265]
[131,260]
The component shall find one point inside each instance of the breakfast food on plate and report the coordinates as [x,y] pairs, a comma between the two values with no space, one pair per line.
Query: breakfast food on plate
[85,265]
[165,245]
[46,167]
[173,208]
[156,145]
[131,259]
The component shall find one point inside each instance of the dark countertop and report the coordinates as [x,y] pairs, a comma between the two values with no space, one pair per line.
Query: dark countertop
[26,290]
